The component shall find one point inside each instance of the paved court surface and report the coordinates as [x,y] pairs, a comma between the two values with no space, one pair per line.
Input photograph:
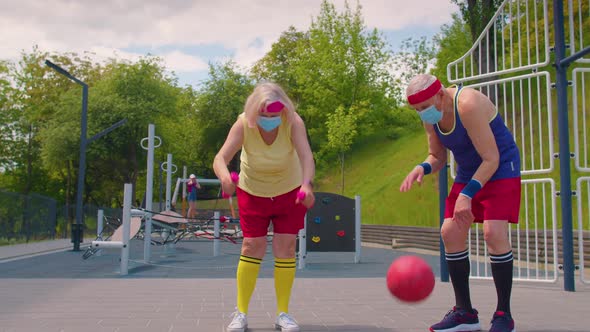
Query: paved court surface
[189,290]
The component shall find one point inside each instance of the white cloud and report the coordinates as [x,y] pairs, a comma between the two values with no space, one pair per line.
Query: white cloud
[397,14]
[182,62]
[108,25]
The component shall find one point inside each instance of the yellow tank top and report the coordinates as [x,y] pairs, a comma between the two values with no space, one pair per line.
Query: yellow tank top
[268,170]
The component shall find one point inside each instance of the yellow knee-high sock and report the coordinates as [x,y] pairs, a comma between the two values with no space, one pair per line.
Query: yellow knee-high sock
[284,276]
[247,274]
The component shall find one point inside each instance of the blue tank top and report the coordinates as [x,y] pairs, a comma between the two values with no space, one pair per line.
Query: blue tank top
[467,157]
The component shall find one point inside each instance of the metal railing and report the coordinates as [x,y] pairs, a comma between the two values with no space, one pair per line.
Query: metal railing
[515,39]
[504,63]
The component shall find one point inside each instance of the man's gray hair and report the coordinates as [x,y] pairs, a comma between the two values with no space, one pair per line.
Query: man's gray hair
[419,83]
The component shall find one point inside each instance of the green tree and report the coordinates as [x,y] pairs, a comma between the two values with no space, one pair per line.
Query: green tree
[452,41]
[181,131]
[280,63]
[220,100]
[416,56]
[8,120]
[341,133]
[477,15]
[140,92]
[342,64]
[35,91]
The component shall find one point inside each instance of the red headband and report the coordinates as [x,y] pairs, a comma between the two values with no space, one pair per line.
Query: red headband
[424,95]
[275,107]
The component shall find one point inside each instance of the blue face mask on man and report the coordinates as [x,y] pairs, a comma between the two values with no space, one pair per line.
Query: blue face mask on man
[431,115]
[269,123]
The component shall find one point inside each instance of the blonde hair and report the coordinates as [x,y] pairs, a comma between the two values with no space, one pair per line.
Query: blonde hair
[419,83]
[264,94]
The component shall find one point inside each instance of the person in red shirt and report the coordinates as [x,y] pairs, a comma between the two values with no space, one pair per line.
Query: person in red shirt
[191,187]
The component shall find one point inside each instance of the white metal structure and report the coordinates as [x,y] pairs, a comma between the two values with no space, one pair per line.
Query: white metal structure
[516,77]
[583,222]
[521,30]
[124,244]
[578,17]
[147,250]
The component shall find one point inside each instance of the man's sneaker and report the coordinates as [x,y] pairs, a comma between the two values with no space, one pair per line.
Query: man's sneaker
[458,320]
[502,322]
[286,323]
[239,323]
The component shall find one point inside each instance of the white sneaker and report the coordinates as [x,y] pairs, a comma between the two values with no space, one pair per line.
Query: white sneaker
[286,323]
[239,323]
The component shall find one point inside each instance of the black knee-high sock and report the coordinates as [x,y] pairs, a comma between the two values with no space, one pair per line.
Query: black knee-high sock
[502,272]
[459,269]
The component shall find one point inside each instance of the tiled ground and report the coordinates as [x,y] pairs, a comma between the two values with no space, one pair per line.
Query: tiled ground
[189,290]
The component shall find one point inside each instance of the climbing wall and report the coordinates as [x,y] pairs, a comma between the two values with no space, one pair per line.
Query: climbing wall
[330,224]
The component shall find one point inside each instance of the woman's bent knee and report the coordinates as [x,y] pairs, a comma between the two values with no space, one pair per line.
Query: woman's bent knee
[254,247]
[283,245]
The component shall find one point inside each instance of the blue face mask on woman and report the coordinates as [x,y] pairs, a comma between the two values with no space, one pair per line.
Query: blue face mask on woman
[269,123]
[431,115]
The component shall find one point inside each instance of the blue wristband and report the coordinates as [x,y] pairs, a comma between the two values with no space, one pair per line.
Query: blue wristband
[471,188]
[427,168]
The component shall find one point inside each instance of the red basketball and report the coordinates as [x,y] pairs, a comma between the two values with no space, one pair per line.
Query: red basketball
[410,279]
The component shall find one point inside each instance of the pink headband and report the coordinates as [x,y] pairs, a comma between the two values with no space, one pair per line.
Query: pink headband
[424,95]
[275,107]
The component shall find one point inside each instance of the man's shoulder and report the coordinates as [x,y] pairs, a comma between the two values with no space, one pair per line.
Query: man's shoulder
[470,99]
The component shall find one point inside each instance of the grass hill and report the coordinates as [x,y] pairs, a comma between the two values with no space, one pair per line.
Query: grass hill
[375,171]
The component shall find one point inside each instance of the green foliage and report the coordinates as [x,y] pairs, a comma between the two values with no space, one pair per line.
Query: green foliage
[477,14]
[280,63]
[453,41]
[220,101]
[341,129]
[180,130]
[337,63]
[415,57]
[9,144]
[140,92]
[379,168]
[341,133]
[337,72]
[32,101]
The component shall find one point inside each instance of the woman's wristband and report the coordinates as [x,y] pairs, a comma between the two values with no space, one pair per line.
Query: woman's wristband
[307,182]
[472,187]
[427,168]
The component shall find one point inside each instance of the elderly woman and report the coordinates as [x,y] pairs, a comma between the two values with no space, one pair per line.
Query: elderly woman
[275,185]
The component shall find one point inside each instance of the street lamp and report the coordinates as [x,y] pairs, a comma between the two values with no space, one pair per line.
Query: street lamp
[77,228]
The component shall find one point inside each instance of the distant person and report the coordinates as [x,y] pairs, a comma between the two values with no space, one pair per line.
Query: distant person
[191,187]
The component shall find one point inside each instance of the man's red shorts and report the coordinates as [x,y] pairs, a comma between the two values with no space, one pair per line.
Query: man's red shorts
[497,200]
[257,212]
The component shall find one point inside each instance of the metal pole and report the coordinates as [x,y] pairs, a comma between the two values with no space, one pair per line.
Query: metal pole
[302,245]
[78,229]
[564,149]
[183,197]
[357,229]
[126,228]
[160,184]
[148,194]
[168,181]
[99,228]
[443,185]
[216,233]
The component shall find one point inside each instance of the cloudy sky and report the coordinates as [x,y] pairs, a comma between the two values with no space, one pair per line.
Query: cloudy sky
[188,34]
